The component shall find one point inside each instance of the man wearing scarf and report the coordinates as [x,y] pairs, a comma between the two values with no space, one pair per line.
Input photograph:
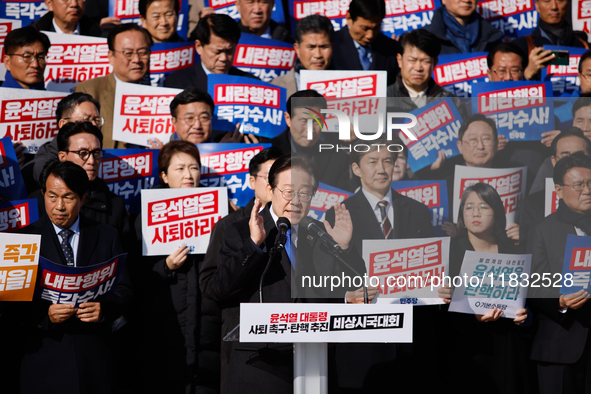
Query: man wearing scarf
[461,29]
[25,52]
[561,344]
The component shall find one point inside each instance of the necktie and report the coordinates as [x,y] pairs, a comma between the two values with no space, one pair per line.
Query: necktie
[386,225]
[364,57]
[288,249]
[66,247]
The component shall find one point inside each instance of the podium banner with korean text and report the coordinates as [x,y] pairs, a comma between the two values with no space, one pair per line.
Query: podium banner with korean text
[313,323]
[325,198]
[258,106]
[25,11]
[522,110]
[263,57]
[17,214]
[61,284]
[73,59]
[224,164]
[175,217]
[18,268]
[228,7]
[6,26]
[128,12]
[576,269]
[12,184]
[406,268]
[431,193]
[564,79]
[492,280]
[551,199]
[437,129]
[128,171]
[142,113]
[508,182]
[29,116]
[457,73]
[581,15]
[515,18]
[169,57]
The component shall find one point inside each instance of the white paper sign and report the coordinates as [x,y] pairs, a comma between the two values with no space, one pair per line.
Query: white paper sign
[581,13]
[508,182]
[303,322]
[6,26]
[405,268]
[18,267]
[551,198]
[142,113]
[173,217]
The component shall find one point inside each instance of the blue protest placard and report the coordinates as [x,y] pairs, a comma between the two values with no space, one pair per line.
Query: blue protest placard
[431,193]
[11,179]
[262,57]
[25,11]
[17,214]
[516,18]
[437,129]
[564,79]
[128,12]
[576,268]
[62,284]
[336,11]
[227,165]
[128,171]
[325,198]
[169,57]
[458,72]
[258,106]
[228,7]
[404,16]
[522,110]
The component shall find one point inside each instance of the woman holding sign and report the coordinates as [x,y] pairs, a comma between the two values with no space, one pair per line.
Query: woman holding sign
[484,348]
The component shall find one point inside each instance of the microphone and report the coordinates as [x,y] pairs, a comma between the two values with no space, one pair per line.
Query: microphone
[326,239]
[283,225]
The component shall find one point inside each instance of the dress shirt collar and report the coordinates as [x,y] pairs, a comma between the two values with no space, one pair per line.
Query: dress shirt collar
[74,227]
[60,31]
[373,200]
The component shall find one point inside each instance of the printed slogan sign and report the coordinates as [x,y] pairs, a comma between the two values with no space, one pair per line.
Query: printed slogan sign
[458,72]
[262,57]
[515,18]
[26,11]
[169,57]
[431,193]
[17,214]
[18,268]
[551,199]
[576,269]
[6,26]
[12,184]
[564,79]
[325,198]
[581,15]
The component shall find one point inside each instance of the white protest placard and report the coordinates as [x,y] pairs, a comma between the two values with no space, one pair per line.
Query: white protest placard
[314,323]
[6,26]
[28,115]
[352,92]
[18,267]
[142,112]
[73,59]
[508,182]
[550,198]
[406,267]
[492,280]
[581,14]
[173,217]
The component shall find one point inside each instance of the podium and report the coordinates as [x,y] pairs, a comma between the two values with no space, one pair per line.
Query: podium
[310,327]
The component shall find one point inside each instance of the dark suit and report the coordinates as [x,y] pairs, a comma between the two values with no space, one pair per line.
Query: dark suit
[533,211]
[195,77]
[383,51]
[73,356]
[88,26]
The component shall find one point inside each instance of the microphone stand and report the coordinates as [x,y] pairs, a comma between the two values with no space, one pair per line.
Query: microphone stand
[338,257]
[272,253]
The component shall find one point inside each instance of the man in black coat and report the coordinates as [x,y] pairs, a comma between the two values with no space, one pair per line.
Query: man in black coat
[255,18]
[68,18]
[361,45]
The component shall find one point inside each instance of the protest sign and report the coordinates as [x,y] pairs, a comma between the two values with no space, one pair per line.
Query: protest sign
[28,116]
[128,12]
[18,268]
[335,10]
[576,268]
[173,217]
[403,16]
[17,214]
[26,11]
[325,198]
[581,15]
[492,280]
[405,268]
[169,57]
[12,184]
[128,171]
[515,18]
[226,165]
[262,57]
[6,26]
[550,198]
[62,284]
[142,113]
[521,110]
[228,7]
[258,106]
[508,182]
[564,79]
[431,193]
[458,72]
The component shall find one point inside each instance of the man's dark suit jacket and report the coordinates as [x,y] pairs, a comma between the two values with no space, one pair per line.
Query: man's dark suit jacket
[72,357]
[383,51]
[278,32]
[88,26]
[195,77]
[533,211]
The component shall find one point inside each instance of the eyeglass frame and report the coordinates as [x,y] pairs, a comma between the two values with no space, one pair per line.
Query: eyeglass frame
[505,73]
[195,119]
[298,194]
[90,152]
[34,56]
[91,120]
[583,184]
[476,140]
[147,55]
[479,207]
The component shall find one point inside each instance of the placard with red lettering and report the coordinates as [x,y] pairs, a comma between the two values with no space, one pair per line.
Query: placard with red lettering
[18,268]
[61,284]
[167,57]
[263,57]
[17,214]
[406,15]
[335,10]
[175,217]
[458,72]
[128,12]
[522,110]
[26,11]
[228,7]
[6,26]
[258,106]
[405,268]
[12,185]
[224,164]
[515,18]
[576,268]
[551,199]
[325,198]
[581,15]
[142,113]
[431,193]
[564,79]
[128,171]
[508,182]
[28,116]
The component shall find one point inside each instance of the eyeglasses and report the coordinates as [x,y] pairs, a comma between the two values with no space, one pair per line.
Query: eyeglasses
[98,121]
[302,196]
[482,207]
[486,141]
[30,57]
[501,72]
[128,53]
[265,177]
[85,153]
[579,187]
[190,120]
